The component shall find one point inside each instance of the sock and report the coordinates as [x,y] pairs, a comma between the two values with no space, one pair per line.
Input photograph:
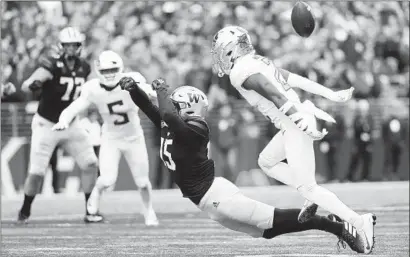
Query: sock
[286,221]
[87,196]
[146,198]
[26,208]
[331,203]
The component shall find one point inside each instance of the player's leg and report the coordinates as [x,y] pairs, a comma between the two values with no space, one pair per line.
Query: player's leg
[301,157]
[43,142]
[137,158]
[270,161]
[109,159]
[80,148]
[225,204]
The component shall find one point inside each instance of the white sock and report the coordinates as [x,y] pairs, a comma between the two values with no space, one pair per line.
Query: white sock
[330,202]
[146,193]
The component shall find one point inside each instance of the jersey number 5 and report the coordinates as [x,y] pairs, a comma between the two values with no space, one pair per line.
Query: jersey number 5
[164,152]
[124,116]
[71,93]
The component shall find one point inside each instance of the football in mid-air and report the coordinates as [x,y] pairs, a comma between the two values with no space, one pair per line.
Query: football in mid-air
[303,21]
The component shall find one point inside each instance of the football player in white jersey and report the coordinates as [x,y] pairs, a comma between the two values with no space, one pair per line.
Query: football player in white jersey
[121,130]
[270,90]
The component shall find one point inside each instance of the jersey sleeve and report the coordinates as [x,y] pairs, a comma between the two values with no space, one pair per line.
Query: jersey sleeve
[243,70]
[141,99]
[87,90]
[142,83]
[48,62]
[87,69]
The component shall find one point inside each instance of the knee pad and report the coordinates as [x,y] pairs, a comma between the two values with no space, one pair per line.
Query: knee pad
[89,166]
[264,162]
[143,183]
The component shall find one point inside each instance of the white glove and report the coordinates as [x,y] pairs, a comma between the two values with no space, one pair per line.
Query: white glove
[308,126]
[305,118]
[342,95]
[61,125]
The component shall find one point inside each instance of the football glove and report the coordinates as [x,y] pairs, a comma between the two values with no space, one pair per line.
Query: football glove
[127,83]
[159,83]
[60,125]
[35,85]
[342,95]
[305,118]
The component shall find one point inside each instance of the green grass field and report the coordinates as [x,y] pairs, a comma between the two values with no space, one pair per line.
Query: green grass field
[56,227]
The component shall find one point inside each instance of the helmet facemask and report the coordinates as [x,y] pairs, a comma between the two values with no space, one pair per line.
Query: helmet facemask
[224,54]
[189,102]
[70,42]
[109,68]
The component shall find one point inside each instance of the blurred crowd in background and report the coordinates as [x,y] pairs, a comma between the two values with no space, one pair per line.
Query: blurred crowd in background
[360,44]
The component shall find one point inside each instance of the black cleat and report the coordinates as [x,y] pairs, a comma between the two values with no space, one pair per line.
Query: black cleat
[349,235]
[93,218]
[309,210]
[22,217]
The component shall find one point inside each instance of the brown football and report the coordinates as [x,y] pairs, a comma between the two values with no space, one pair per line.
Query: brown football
[303,21]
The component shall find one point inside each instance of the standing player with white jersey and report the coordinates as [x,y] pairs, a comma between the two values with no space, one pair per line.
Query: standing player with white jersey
[270,90]
[121,130]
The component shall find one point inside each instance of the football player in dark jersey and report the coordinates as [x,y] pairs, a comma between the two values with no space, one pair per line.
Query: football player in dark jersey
[60,78]
[184,150]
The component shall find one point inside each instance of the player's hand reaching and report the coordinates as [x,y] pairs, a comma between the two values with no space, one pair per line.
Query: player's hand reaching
[61,125]
[159,83]
[128,83]
[307,123]
[342,95]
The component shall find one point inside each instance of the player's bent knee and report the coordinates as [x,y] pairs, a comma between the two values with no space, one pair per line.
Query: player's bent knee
[264,162]
[89,165]
[143,183]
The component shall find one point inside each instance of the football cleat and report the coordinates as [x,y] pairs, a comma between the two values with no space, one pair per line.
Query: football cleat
[356,239]
[23,217]
[367,231]
[309,210]
[93,218]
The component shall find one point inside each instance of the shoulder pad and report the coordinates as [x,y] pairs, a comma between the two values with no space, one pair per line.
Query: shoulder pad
[48,60]
[199,125]
[242,70]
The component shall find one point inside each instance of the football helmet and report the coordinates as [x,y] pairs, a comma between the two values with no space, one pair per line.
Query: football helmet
[109,68]
[229,44]
[70,41]
[190,101]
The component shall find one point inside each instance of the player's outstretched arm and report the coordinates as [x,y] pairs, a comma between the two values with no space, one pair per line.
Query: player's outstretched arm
[141,99]
[36,80]
[261,85]
[310,86]
[69,113]
[43,73]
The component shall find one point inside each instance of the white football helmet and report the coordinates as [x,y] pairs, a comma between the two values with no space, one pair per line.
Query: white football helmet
[69,36]
[190,101]
[229,44]
[109,68]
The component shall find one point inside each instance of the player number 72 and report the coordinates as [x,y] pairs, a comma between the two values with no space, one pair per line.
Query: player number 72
[72,86]
[163,151]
